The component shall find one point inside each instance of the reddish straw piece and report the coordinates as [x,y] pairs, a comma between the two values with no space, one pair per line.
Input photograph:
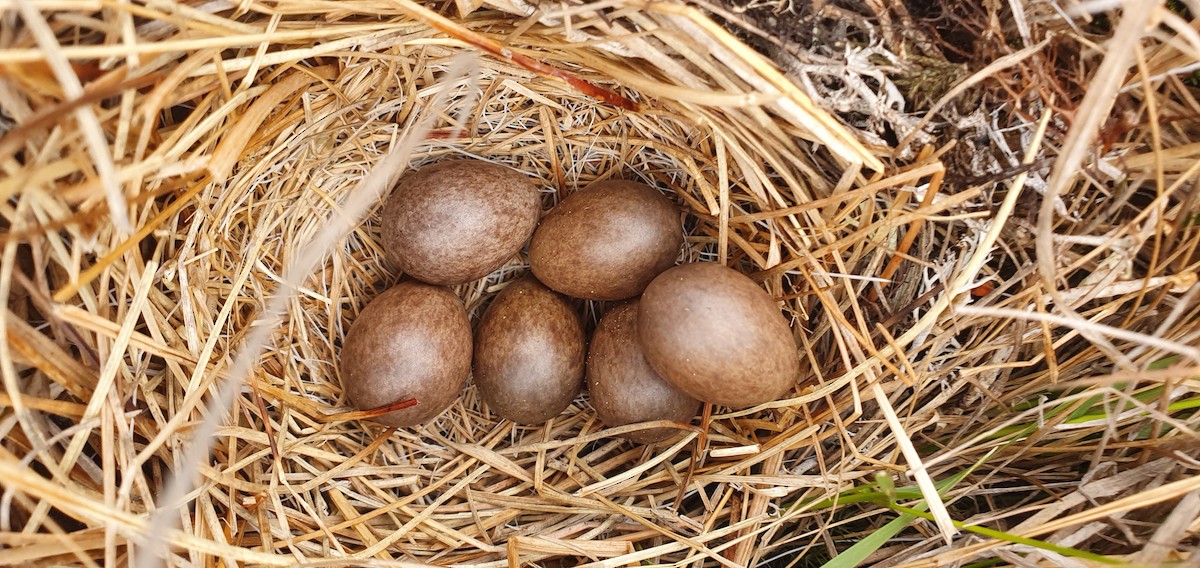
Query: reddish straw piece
[499,50]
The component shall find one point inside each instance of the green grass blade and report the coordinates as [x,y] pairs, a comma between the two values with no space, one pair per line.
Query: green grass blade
[859,552]
[1015,539]
[886,491]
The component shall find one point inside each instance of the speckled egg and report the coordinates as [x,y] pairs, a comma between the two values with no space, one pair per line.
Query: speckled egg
[412,341]
[458,220]
[714,333]
[624,388]
[606,242]
[529,353]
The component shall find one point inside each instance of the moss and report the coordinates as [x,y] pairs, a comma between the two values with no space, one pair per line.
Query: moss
[923,80]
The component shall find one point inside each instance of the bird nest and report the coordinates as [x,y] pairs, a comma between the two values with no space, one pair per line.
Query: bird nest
[987,254]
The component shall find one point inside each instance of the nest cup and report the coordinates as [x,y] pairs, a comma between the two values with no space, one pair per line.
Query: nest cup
[225,192]
[163,209]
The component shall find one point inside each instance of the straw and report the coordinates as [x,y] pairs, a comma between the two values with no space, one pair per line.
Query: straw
[979,220]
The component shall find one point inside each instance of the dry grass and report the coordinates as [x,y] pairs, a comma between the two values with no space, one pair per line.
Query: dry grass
[1003,337]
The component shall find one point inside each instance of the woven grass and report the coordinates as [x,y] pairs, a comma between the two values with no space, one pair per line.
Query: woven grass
[990,265]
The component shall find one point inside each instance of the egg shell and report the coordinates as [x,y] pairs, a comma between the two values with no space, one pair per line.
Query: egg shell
[411,341]
[715,334]
[529,353]
[456,221]
[624,388]
[606,242]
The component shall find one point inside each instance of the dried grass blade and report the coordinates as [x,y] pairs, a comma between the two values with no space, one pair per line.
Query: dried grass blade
[11,141]
[977,258]
[1171,533]
[592,549]
[495,460]
[89,124]
[1090,115]
[983,74]
[229,151]
[763,74]
[633,472]
[365,195]
[40,351]
[452,29]
[95,270]
[21,478]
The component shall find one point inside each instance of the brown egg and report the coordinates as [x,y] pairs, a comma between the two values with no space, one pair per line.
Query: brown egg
[412,341]
[606,242]
[456,221]
[623,386]
[529,351]
[718,336]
